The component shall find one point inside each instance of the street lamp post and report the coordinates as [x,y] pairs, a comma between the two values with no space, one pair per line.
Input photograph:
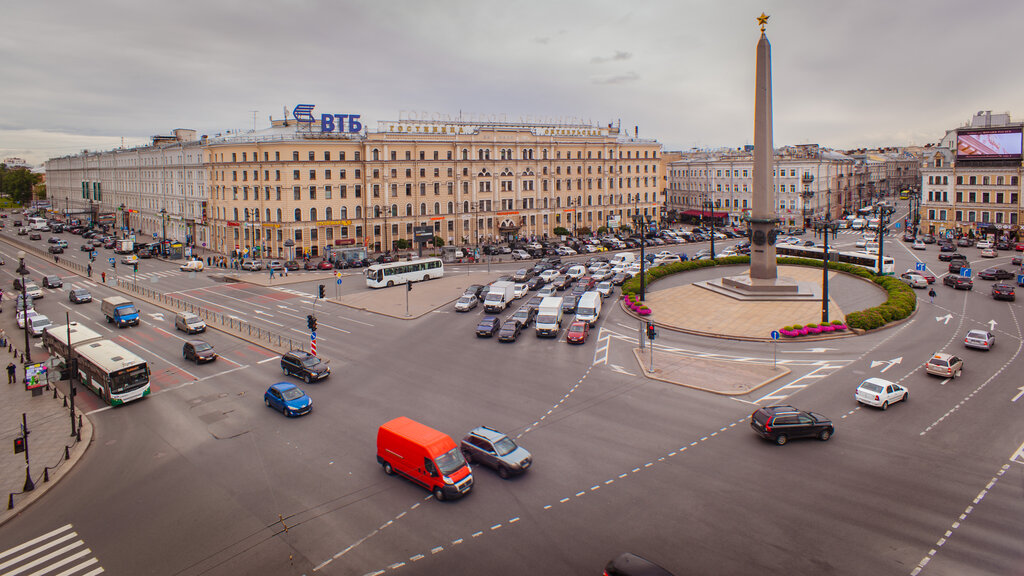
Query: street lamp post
[23,271]
[124,222]
[163,220]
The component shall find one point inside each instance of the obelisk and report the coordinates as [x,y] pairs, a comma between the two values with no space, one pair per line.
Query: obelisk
[762,221]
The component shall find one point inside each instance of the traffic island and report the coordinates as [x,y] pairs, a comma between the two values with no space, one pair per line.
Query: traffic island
[725,377]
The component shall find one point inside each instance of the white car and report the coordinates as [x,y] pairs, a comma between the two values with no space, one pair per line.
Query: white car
[129,259]
[38,323]
[919,245]
[466,303]
[520,255]
[663,254]
[670,259]
[520,290]
[605,289]
[549,275]
[871,248]
[984,244]
[599,266]
[33,290]
[192,266]
[576,272]
[21,317]
[979,339]
[547,290]
[880,393]
[565,251]
[914,280]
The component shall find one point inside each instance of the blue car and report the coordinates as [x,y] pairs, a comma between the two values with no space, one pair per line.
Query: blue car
[288,398]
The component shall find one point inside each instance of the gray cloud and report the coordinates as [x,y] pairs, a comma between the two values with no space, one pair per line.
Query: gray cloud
[619,55]
[616,78]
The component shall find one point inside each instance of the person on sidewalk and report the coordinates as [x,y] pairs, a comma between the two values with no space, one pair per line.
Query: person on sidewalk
[103,275]
[271,273]
[11,369]
[88,270]
[931,295]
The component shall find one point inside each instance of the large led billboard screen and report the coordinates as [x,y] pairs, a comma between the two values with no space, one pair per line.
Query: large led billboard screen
[989,144]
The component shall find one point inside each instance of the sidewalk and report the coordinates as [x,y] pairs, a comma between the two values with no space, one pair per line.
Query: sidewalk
[49,440]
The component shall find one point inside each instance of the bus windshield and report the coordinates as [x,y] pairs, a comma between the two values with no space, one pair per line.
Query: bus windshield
[129,379]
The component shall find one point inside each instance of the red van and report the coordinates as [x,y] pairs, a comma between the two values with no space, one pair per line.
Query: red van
[425,456]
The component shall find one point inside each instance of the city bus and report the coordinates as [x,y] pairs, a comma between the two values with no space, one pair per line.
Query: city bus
[55,340]
[862,259]
[394,273]
[39,224]
[113,373]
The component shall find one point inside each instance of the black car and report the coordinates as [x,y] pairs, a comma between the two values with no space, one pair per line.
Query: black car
[995,274]
[569,303]
[304,365]
[509,331]
[55,249]
[560,282]
[522,275]
[620,278]
[52,281]
[535,283]
[948,256]
[947,247]
[198,351]
[477,290]
[79,296]
[780,423]
[35,236]
[488,326]
[1003,292]
[928,239]
[1003,245]
[955,266]
[525,315]
[145,253]
[533,304]
[958,282]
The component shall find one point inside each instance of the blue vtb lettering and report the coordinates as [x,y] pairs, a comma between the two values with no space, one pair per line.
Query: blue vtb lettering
[326,123]
[353,123]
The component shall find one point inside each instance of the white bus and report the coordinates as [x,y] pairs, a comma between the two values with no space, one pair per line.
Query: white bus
[37,224]
[115,374]
[862,259]
[394,273]
[55,340]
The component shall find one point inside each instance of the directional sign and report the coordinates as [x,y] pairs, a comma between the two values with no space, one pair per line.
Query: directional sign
[920,267]
[775,333]
[339,281]
[965,272]
[111,260]
[888,363]
[944,319]
[1020,279]
[312,335]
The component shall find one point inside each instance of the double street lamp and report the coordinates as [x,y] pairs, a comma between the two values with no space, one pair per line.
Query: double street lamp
[163,219]
[23,271]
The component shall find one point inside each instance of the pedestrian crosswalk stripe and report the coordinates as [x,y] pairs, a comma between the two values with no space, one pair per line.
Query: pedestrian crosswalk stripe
[40,551]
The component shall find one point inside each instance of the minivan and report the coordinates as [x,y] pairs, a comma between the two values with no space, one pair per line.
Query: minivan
[588,309]
[425,456]
[189,323]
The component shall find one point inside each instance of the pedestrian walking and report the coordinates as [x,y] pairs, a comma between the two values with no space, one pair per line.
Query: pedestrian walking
[284,271]
[103,275]
[11,369]
[931,295]
[88,270]
[271,273]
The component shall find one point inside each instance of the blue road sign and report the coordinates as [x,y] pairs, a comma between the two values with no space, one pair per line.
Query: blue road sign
[339,281]
[312,335]
[920,267]
[1020,279]
[111,260]
[897,225]
[775,334]
[965,272]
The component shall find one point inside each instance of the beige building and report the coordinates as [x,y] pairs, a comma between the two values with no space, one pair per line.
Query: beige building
[292,189]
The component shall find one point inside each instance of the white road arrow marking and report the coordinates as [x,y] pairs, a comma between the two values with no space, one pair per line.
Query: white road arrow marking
[888,363]
[992,324]
[811,351]
[1019,394]
[158,316]
[947,318]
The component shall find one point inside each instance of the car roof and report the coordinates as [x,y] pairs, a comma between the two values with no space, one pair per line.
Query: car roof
[880,381]
[282,386]
[978,331]
[487,433]
[942,356]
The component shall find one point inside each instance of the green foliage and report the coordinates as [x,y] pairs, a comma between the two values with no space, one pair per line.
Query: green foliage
[17,183]
[625,228]
[583,231]
[602,230]
[401,244]
[561,231]
[438,241]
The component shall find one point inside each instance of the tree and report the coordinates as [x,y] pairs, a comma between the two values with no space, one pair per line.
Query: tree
[602,230]
[584,231]
[401,244]
[625,228]
[438,242]
[561,231]
[17,183]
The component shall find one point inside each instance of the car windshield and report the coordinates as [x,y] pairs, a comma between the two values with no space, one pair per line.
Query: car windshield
[975,334]
[575,328]
[871,387]
[465,300]
[81,293]
[504,446]
[311,361]
[128,310]
[450,461]
[509,326]
[202,347]
[292,394]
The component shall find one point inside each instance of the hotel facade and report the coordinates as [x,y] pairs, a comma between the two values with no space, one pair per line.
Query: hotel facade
[299,188]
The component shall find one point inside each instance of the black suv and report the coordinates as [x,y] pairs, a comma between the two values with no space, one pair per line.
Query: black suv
[780,423]
[304,365]
[958,282]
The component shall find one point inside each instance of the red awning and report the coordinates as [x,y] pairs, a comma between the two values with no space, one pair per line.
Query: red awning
[705,214]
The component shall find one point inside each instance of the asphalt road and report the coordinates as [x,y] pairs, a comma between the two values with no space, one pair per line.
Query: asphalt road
[201,478]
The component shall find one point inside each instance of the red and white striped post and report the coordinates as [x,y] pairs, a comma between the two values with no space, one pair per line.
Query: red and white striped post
[312,343]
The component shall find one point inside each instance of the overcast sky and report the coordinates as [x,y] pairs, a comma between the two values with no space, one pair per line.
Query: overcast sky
[79,75]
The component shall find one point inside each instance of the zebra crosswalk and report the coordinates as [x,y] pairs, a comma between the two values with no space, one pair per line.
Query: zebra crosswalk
[55,550]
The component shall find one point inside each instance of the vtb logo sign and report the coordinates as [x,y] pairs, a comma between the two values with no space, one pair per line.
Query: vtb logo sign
[328,122]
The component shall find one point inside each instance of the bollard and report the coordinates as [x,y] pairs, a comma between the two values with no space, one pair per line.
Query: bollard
[67,454]
[65,398]
[46,474]
[10,502]
[78,433]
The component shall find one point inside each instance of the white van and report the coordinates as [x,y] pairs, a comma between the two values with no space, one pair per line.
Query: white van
[588,309]
[624,258]
[576,272]
[858,224]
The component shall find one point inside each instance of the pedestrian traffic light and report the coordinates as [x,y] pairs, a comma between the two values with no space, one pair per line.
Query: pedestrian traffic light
[321,291]
[650,331]
[135,266]
[311,322]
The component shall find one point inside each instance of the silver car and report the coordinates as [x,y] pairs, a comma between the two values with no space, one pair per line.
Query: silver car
[495,450]
[979,339]
[466,303]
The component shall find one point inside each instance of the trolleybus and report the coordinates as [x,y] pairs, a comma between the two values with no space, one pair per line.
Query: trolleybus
[862,259]
[113,373]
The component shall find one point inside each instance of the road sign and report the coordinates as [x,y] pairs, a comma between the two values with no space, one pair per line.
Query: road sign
[920,266]
[111,260]
[339,281]
[775,334]
[312,335]
[1020,279]
[965,272]
[896,225]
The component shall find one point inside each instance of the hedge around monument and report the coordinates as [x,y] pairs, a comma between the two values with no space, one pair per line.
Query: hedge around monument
[900,303]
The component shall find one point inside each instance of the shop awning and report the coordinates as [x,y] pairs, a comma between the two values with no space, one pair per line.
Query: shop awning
[705,214]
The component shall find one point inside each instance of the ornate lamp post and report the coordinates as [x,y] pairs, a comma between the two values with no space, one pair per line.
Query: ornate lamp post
[23,271]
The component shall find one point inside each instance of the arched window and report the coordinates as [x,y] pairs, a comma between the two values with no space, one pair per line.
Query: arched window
[376,211]
[465,154]
[376,154]
[394,210]
[451,208]
[545,202]
[328,213]
[437,208]
[278,214]
[408,209]
[590,200]
[558,202]
[312,214]
[236,214]
[359,212]
[465,206]
[298,214]
[267,218]
[343,212]
[423,209]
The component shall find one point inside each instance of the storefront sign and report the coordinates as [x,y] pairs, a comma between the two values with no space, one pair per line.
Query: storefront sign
[328,122]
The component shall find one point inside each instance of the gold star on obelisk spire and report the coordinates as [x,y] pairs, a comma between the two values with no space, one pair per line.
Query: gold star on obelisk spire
[762,20]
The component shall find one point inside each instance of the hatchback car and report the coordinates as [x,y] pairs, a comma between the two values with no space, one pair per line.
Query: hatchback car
[980,339]
[1003,292]
[509,331]
[914,280]
[995,274]
[324,265]
[291,265]
[488,326]
[189,323]
[52,281]
[519,290]
[33,290]
[989,253]
[495,450]
[577,332]
[924,274]
[466,303]
[129,259]
[945,365]
[35,236]
[79,296]
[253,265]
[958,282]
[605,289]
[880,393]
[288,398]
[304,365]
[919,245]
[55,249]
[198,351]
[781,423]
[525,316]
[950,256]
[38,323]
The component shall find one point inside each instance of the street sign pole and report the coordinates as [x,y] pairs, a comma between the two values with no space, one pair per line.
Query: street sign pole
[775,345]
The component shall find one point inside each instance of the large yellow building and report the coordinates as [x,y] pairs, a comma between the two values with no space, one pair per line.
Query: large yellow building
[468,182]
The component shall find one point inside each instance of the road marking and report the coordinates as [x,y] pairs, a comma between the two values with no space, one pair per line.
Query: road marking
[267,360]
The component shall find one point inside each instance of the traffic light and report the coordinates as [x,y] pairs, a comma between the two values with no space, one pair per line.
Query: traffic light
[19,444]
[321,291]
[135,266]
[650,331]
[311,322]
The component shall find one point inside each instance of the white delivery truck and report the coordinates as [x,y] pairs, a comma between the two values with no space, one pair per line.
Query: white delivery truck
[588,309]
[549,317]
[499,295]
[623,259]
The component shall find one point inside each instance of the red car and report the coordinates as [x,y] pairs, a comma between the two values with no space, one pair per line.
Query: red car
[1019,247]
[577,333]
[924,274]
[325,265]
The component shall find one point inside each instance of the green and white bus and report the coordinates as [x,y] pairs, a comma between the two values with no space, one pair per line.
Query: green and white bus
[113,373]
[55,340]
[395,273]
